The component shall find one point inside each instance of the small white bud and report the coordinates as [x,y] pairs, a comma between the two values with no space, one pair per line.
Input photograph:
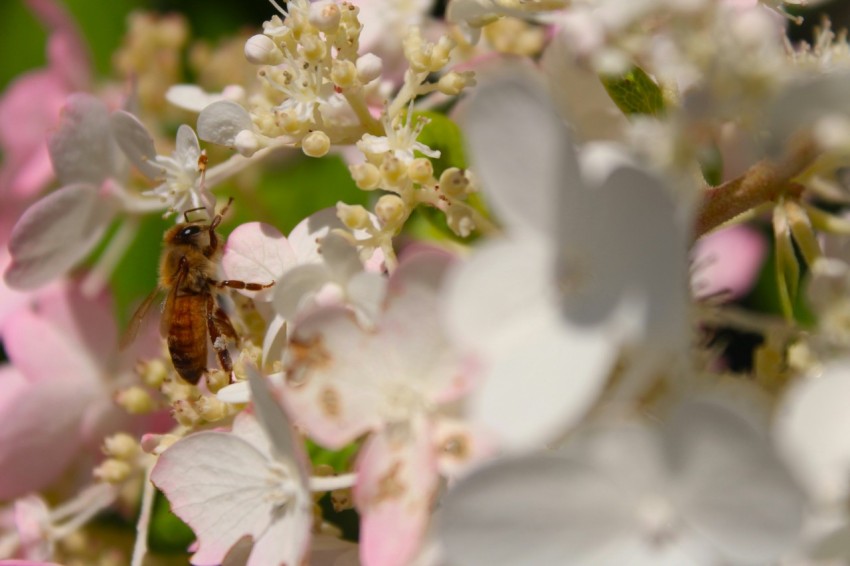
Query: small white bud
[261,50]
[246,143]
[113,471]
[366,176]
[453,83]
[324,16]
[314,48]
[369,67]
[390,210]
[420,170]
[343,73]
[392,169]
[354,216]
[454,183]
[316,144]
[135,400]
[121,446]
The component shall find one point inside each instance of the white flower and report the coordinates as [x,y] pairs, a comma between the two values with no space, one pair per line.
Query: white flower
[180,172]
[249,482]
[704,488]
[594,259]
[400,138]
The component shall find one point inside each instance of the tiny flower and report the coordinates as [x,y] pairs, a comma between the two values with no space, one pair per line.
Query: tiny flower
[259,490]
[399,139]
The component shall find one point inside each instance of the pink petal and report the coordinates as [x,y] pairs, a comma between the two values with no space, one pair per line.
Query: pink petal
[397,478]
[66,49]
[257,253]
[728,261]
[55,233]
[40,434]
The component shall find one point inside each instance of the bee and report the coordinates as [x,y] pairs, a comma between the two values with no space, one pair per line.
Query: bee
[191,314]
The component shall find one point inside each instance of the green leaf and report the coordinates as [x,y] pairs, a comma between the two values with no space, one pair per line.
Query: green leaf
[444,135]
[711,164]
[339,460]
[168,534]
[635,93]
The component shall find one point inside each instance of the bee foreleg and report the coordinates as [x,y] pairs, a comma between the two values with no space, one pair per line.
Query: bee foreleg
[234,284]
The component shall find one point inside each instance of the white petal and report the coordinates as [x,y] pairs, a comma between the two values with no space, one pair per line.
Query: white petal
[297,288]
[366,292]
[557,370]
[83,149]
[136,143]
[520,179]
[55,233]
[285,448]
[221,498]
[811,427]
[187,150]
[534,511]
[221,121]
[733,488]
[190,97]
[307,234]
[238,392]
[341,257]
[257,253]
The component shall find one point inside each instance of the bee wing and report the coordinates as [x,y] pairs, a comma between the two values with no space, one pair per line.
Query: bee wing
[136,321]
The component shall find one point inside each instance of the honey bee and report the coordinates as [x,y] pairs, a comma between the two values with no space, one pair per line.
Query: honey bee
[191,314]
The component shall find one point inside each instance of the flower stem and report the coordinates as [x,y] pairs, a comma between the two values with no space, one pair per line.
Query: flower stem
[331,483]
[140,548]
[763,182]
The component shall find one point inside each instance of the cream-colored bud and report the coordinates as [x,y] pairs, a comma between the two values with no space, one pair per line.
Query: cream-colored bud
[246,143]
[392,169]
[156,444]
[184,413]
[454,183]
[113,471]
[261,50]
[121,446]
[211,409]
[325,16]
[153,372]
[135,400]
[441,53]
[313,47]
[316,144]
[453,83]
[460,220]
[390,210]
[366,176]
[369,67]
[354,216]
[343,73]
[217,379]
[289,122]
[420,170]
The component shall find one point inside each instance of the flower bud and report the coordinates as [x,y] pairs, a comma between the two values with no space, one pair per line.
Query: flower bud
[121,446]
[217,379]
[343,73]
[355,217]
[324,16]
[261,50]
[211,409]
[184,413]
[440,53]
[369,67]
[246,143]
[316,144]
[366,176]
[392,169]
[453,183]
[135,400]
[314,48]
[113,471]
[460,220]
[420,170]
[390,209]
[453,83]
[153,372]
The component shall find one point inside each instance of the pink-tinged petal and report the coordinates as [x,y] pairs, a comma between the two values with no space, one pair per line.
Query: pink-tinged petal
[535,511]
[40,432]
[66,49]
[728,261]
[307,234]
[34,174]
[55,233]
[221,121]
[32,521]
[83,149]
[734,489]
[397,479]
[327,391]
[297,290]
[257,253]
[136,143]
[459,446]
[221,498]
[366,292]
[287,540]
[10,299]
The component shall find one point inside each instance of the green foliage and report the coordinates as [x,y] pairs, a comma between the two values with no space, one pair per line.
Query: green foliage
[339,460]
[711,164]
[168,534]
[635,93]
[445,136]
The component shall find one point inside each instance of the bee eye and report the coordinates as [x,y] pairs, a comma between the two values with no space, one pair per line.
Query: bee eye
[189,231]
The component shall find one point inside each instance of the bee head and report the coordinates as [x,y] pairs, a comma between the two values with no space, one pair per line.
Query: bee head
[193,234]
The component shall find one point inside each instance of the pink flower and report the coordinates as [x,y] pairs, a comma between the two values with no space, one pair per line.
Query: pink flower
[728,261]
[56,399]
[29,109]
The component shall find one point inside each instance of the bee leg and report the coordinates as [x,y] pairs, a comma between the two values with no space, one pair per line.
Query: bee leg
[218,336]
[213,246]
[234,284]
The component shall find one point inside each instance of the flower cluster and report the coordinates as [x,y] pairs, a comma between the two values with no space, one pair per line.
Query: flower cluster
[497,282]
